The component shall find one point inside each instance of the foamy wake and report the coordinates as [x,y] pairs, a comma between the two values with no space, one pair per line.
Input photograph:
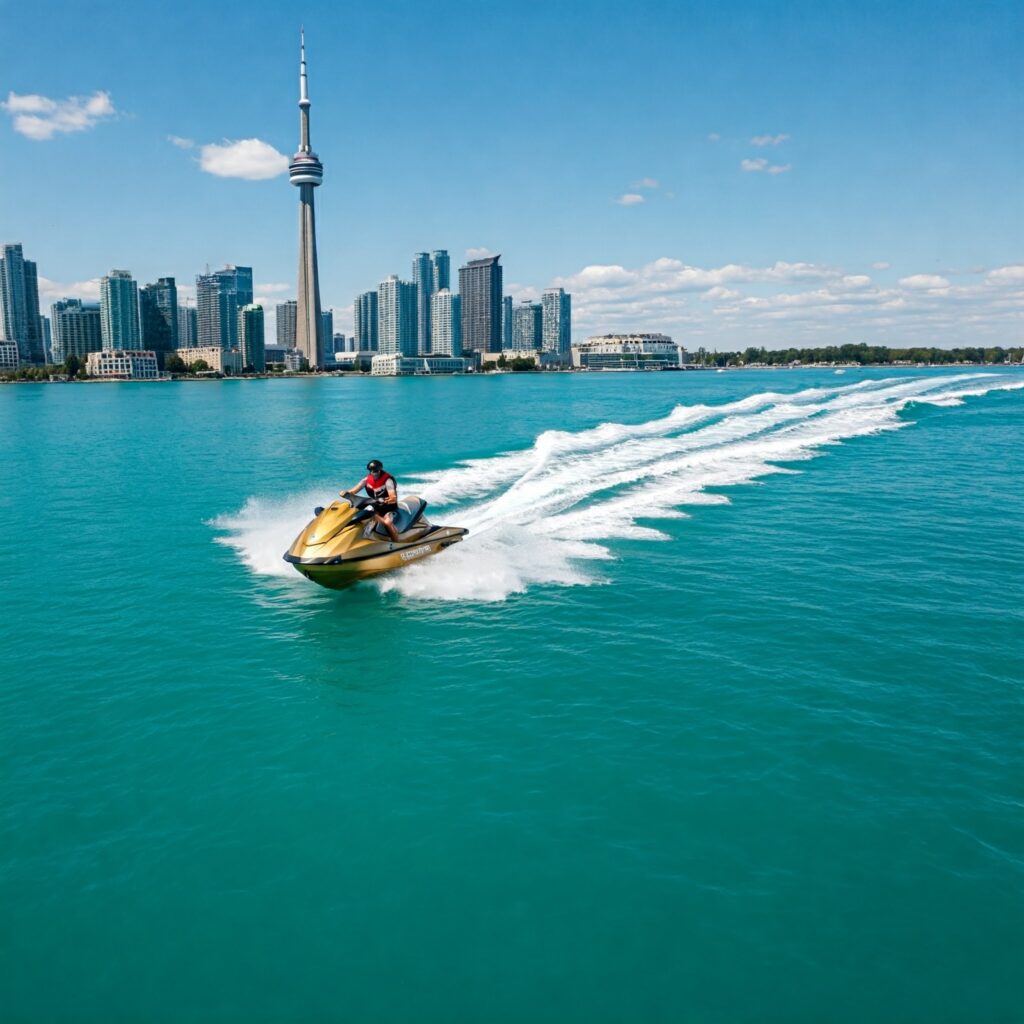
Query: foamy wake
[537,516]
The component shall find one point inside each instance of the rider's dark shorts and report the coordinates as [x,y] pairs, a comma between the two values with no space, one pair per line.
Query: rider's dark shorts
[383,510]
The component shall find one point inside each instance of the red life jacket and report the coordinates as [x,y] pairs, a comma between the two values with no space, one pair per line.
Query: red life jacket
[377,487]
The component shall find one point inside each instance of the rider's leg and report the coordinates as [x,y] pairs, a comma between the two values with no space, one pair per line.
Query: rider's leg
[388,525]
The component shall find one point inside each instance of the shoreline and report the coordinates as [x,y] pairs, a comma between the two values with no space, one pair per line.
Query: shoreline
[296,375]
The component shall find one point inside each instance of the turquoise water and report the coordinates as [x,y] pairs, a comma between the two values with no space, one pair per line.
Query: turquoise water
[715,717]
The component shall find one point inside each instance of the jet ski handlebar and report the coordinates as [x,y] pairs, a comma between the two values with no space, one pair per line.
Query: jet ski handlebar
[364,506]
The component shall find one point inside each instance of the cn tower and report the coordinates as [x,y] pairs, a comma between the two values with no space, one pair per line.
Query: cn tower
[307,172]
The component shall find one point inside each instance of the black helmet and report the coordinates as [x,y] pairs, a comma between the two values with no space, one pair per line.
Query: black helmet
[375,465]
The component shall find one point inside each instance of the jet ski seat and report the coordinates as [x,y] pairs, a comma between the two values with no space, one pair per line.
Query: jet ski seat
[410,511]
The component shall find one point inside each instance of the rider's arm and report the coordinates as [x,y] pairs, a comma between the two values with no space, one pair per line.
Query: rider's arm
[354,490]
[392,491]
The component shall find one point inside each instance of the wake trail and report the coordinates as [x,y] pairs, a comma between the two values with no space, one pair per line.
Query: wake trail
[539,515]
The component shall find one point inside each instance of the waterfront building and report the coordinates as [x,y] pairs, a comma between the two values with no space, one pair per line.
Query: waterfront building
[480,289]
[446,323]
[119,311]
[306,172]
[327,328]
[395,364]
[8,356]
[274,354]
[423,279]
[506,322]
[188,327]
[628,352]
[219,297]
[293,359]
[285,315]
[122,364]
[441,267]
[223,360]
[396,316]
[557,326]
[544,359]
[238,280]
[252,340]
[158,311]
[366,322]
[47,336]
[527,332]
[19,303]
[76,329]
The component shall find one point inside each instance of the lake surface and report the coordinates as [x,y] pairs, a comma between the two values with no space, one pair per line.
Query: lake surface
[714,717]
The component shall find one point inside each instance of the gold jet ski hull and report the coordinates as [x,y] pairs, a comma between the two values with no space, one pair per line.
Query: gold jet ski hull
[343,545]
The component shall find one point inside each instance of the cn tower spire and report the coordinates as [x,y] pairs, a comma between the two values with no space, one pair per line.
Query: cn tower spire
[306,173]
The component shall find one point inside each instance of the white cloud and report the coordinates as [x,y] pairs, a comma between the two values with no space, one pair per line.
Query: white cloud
[480,252]
[713,137]
[880,265]
[795,303]
[629,199]
[276,286]
[1007,275]
[177,140]
[924,281]
[645,183]
[760,164]
[53,291]
[768,140]
[251,159]
[40,118]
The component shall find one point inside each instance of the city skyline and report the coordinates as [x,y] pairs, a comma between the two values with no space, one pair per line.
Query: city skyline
[846,202]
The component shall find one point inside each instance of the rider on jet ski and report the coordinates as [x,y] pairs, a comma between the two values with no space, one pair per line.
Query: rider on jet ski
[381,487]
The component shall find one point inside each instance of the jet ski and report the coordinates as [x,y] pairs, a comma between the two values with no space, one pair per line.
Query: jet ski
[344,543]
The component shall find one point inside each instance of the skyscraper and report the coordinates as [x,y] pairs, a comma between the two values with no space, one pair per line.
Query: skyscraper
[557,320]
[527,329]
[366,322]
[441,266]
[306,172]
[423,279]
[188,327]
[445,323]
[396,316]
[327,329]
[238,280]
[506,321]
[285,314]
[47,338]
[158,309]
[119,311]
[480,291]
[251,337]
[19,303]
[76,329]
[217,309]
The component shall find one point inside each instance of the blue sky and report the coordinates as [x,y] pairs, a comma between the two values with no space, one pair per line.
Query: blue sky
[731,173]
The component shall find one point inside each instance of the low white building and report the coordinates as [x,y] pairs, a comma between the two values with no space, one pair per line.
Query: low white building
[293,360]
[394,364]
[542,357]
[627,352]
[223,360]
[8,356]
[123,364]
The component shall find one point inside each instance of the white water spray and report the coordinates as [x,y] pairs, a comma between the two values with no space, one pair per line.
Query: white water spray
[538,516]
